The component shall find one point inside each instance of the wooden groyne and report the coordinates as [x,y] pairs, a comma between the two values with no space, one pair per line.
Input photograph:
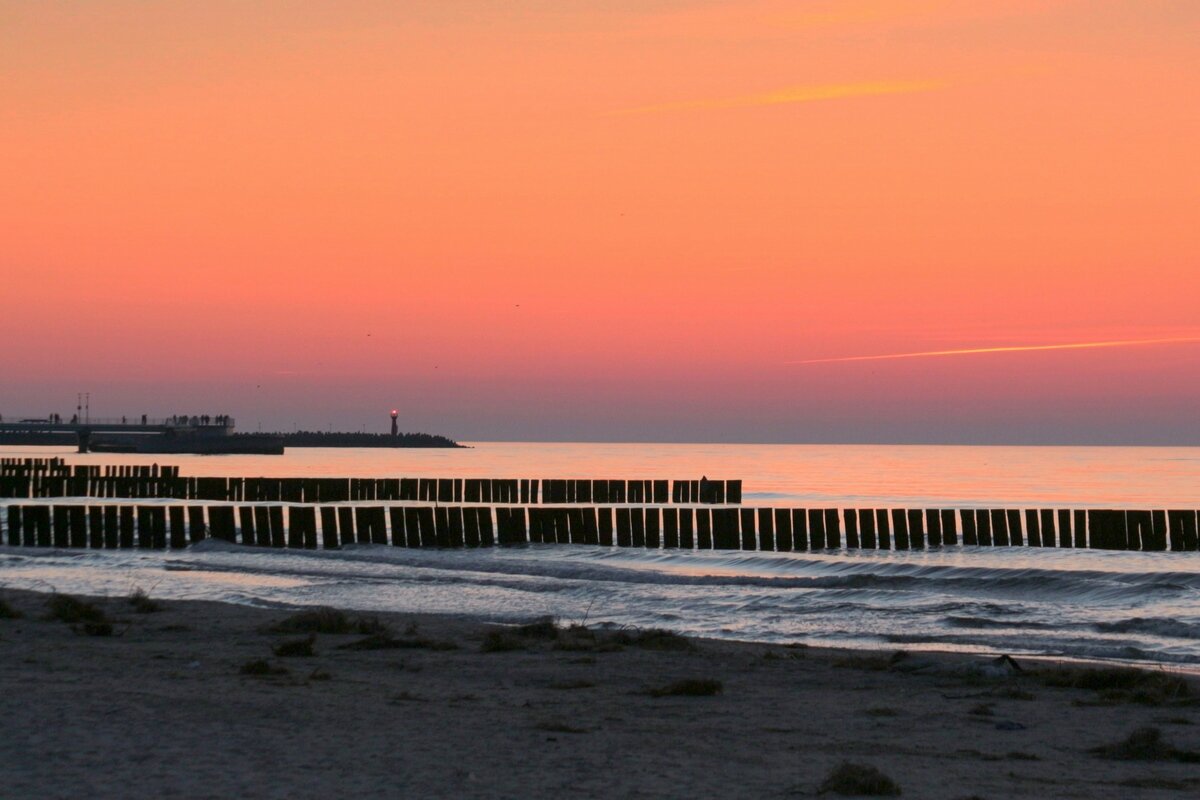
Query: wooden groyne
[48,478]
[308,526]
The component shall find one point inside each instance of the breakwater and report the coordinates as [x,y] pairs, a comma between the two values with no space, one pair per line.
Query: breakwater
[456,512]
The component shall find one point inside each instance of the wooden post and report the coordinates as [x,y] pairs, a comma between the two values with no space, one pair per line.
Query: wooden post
[303,519]
[487,537]
[704,537]
[866,524]
[606,526]
[112,529]
[62,533]
[15,519]
[412,527]
[1080,528]
[933,526]
[783,530]
[1182,526]
[833,528]
[983,520]
[179,536]
[851,515]
[1046,527]
[661,493]
[429,535]
[999,523]
[470,523]
[455,530]
[95,527]
[916,529]
[733,492]
[900,528]
[197,531]
[1015,536]
[221,520]
[624,528]
[78,521]
[687,530]
[1033,527]
[600,491]
[441,525]
[816,529]
[1158,538]
[262,526]
[246,518]
[1065,538]
[536,525]
[970,530]
[799,529]
[346,524]
[883,528]
[670,518]
[766,529]
[748,540]
[638,520]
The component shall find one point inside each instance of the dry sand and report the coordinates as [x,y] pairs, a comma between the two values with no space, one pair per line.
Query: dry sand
[160,708]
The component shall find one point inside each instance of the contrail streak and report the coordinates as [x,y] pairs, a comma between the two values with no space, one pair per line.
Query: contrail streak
[1012,349]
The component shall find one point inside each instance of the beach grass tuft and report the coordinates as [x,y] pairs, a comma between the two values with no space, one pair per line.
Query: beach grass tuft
[329,621]
[689,687]
[1117,685]
[73,611]
[296,648]
[1144,744]
[859,780]
[142,603]
[9,612]
[503,642]
[544,628]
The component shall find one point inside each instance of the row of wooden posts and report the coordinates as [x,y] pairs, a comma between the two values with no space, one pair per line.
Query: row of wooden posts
[137,482]
[759,529]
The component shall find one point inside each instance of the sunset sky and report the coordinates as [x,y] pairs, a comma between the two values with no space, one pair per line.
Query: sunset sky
[668,220]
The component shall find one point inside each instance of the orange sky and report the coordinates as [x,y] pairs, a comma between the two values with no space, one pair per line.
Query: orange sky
[618,220]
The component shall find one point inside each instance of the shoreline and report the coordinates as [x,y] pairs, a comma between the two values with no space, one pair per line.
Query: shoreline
[458,706]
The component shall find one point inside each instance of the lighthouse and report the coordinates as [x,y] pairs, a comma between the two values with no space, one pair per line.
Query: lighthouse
[395,430]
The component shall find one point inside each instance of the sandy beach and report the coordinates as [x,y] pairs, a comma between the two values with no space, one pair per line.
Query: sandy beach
[199,699]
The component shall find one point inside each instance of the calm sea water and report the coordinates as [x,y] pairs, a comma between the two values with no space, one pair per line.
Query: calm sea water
[1139,607]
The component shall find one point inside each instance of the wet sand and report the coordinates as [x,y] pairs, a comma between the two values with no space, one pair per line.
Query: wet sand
[457,707]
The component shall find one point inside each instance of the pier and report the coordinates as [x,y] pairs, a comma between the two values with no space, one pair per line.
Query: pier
[176,434]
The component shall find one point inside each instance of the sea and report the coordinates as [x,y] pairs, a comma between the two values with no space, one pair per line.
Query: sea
[1129,607]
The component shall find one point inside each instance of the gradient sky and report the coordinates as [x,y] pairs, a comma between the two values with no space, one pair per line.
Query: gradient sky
[554,219]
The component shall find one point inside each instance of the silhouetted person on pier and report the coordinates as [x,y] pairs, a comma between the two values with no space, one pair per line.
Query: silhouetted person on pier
[143,419]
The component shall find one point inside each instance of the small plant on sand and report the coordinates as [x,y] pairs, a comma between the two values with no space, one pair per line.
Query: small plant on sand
[557,726]
[8,612]
[881,711]
[330,621]
[859,780]
[871,662]
[386,641]
[296,648]
[73,611]
[653,639]
[261,668]
[689,687]
[142,603]
[1145,744]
